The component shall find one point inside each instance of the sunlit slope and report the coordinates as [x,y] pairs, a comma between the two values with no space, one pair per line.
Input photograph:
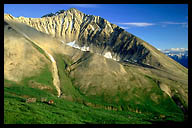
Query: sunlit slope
[102,37]
[130,86]
[26,59]
[144,80]
[21,59]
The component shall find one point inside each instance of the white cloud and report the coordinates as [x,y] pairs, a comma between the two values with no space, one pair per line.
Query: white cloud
[170,22]
[178,49]
[124,27]
[138,24]
[183,24]
[128,25]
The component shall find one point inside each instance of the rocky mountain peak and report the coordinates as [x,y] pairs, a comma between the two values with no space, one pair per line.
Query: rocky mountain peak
[73,10]
[8,16]
[96,34]
[65,12]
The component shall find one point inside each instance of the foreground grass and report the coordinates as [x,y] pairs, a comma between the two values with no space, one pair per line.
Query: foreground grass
[17,111]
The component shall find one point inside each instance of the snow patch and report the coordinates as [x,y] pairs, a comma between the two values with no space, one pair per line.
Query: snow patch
[62,20]
[127,60]
[84,48]
[108,55]
[99,29]
[71,24]
[115,59]
[92,28]
[67,25]
[72,44]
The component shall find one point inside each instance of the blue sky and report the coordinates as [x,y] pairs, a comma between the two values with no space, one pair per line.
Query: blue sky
[162,25]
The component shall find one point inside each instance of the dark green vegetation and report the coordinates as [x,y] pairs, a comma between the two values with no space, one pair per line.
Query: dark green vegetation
[63,111]
[84,109]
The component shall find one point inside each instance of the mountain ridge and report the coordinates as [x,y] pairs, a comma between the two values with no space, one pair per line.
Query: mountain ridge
[178,54]
[81,41]
[99,64]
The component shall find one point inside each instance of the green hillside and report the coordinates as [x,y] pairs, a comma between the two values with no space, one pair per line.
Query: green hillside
[84,110]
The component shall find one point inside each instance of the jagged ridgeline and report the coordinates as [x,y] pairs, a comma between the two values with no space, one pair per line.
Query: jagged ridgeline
[53,14]
[90,61]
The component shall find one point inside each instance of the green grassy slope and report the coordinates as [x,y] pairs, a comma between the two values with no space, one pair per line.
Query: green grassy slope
[67,110]
[17,111]
[137,90]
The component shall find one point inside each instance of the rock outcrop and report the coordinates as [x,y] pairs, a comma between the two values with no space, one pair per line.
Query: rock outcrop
[98,34]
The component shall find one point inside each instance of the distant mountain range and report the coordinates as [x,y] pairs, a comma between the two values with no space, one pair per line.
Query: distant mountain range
[178,54]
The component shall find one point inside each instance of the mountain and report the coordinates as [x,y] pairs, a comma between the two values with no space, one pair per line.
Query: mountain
[93,66]
[178,54]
